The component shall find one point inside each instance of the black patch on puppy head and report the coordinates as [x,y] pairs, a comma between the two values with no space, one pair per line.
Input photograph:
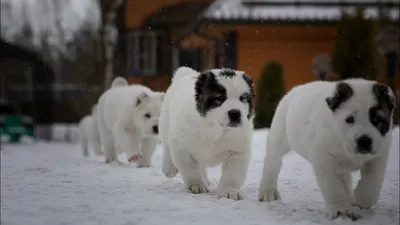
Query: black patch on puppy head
[384,99]
[379,115]
[342,93]
[249,82]
[209,94]
[228,73]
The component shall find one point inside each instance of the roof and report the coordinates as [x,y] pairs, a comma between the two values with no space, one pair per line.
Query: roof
[294,10]
[176,14]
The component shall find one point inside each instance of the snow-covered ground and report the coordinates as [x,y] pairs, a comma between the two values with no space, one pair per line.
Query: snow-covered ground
[52,184]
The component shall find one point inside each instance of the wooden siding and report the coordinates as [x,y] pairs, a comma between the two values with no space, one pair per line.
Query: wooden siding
[293,45]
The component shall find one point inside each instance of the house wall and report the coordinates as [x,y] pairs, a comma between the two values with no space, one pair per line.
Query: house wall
[136,12]
[293,46]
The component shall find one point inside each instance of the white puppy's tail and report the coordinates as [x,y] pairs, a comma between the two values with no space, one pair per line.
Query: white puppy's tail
[182,72]
[118,82]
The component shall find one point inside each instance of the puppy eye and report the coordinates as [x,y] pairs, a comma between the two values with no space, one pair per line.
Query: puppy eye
[243,99]
[350,120]
[215,101]
[147,115]
[376,120]
[218,100]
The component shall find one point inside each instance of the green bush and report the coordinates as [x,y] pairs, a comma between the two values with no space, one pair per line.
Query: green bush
[353,55]
[270,89]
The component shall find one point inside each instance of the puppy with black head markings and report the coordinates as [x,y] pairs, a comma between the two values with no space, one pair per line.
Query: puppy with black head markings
[206,120]
[339,127]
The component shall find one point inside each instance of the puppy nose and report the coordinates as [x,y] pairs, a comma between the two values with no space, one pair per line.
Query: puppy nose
[155,129]
[234,115]
[364,143]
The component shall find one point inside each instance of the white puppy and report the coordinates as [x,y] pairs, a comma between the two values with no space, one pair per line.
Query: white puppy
[339,127]
[206,120]
[89,135]
[128,120]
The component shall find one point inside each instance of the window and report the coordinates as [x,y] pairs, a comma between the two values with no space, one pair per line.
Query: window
[147,54]
[230,49]
[197,58]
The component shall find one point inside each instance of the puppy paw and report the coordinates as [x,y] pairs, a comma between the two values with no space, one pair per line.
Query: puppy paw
[229,194]
[142,164]
[360,207]
[268,195]
[364,198]
[198,188]
[347,210]
[135,157]
[170,171]
[364,203]
[355,204]
[109,160]
[363,207]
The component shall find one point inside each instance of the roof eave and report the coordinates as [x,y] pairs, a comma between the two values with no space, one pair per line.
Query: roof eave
[324,4]
[276,21]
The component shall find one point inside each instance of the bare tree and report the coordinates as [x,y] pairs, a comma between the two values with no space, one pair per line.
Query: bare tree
[109,35]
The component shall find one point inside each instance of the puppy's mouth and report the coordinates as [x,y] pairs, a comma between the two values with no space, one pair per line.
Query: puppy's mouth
[365,151]
[150,134]
[233,125]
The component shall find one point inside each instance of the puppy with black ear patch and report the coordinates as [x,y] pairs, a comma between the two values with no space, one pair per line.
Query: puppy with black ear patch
[128,120]
[206,120]
[339,127]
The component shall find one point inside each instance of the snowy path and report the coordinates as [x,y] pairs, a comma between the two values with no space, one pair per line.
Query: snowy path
[51,184]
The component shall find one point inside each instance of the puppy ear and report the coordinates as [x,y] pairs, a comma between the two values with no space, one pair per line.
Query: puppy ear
[141,98]
[343,92]
[203,81]
[384,95]
[94,108]
[206,77]
[161,95]
[249,81]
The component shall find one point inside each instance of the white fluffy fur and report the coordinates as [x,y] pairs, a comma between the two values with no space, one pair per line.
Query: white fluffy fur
[123,124]
[192,143]
[89,135]
[304,122]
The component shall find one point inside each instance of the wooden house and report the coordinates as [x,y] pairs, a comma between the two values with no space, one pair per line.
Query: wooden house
[158,36]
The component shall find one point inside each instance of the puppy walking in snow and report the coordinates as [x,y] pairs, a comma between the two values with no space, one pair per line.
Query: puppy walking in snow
[89,135]
[128,120]
[339,127]
[206,120]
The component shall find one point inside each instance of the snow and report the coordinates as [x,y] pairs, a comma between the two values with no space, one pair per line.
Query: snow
[235,9]
[53,23]
[51,183]
[321,2]
[64,132]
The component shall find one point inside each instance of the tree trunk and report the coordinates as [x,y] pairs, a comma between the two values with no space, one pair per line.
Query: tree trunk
[109,35]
